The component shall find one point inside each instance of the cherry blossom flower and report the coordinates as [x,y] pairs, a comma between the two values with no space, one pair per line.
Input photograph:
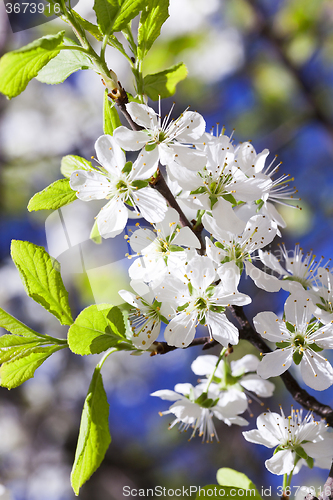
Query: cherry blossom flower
[161,247]
[241,247]
[192,293]
[145,320]
[276,191]
[166,141]
[294,438]
[123,184]
[194,408]
[221,177]
[240,374]
[298,339]
[299,269]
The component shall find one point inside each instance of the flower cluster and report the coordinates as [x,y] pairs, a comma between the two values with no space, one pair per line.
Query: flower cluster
[182,278]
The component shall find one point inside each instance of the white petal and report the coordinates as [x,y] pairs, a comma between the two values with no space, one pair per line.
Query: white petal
[167,394]
[89,185]
[271,327]
[181,329]
[110,154]
[272,262]
[275,363]
[186,238]
[184,389]
[222,330]
[254,383]
[298,310]
[112,219]
[130,140]
[320,449]
[186,179]
[192,126]
[248,363]
[188,157]
[262,280]
[145,165]
[130,298]
[281,463]
[271,212]
[316,371]
[201,272]
[141,238]
[151,203]
[224,224]
[256,437]
[204,365]
[232,402]
[142,114]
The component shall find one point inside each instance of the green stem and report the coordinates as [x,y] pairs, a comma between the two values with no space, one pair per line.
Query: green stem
[214,371]
[106,355]
[290,477]
[284,484]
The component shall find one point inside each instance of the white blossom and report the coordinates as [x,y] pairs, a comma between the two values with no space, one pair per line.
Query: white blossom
[194,408]
[240,374]
[123,184]
[166,141]
[241,247]
[145,320]
[192,292]
[161,247]
[298,271]
[294,438]
[299,340]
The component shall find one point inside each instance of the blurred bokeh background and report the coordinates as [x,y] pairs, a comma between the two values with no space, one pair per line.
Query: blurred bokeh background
[261,67]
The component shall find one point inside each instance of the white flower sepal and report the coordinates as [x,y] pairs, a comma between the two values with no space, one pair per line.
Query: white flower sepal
[294,437]
[119,182]
[165,142]
[299,340]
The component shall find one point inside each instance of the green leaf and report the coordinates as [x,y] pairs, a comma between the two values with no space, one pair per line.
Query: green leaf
[88,26]
[231,477]
[218,492]
[70,163]
[114,15]
[14,372]
[17,68]
[151,21]
[111,118]
[15,326]
[57,195]
[41,278]
[94,435]
[96,329]
[164,83]
[64,64]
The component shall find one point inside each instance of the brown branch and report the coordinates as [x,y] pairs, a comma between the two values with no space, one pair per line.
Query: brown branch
[163,347]
[160,184]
